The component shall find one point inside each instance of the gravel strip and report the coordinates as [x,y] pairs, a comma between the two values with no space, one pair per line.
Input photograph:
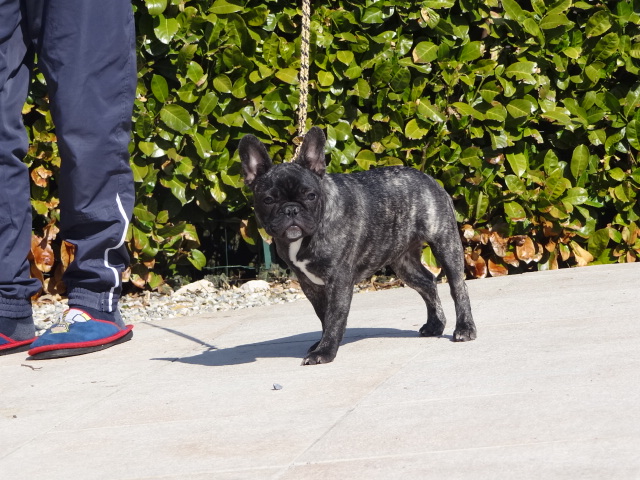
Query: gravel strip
[199,298]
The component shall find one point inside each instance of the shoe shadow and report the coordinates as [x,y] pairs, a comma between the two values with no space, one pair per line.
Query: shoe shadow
[295,346]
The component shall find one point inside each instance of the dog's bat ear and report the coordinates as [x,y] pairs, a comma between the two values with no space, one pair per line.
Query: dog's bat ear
[255,159]
[312,152]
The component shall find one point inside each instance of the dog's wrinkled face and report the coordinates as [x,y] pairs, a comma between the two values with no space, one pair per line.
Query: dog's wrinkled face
[288,198]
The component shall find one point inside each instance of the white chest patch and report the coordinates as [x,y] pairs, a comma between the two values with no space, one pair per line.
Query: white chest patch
[294,248]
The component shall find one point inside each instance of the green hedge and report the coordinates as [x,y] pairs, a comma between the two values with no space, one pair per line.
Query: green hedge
[527,112]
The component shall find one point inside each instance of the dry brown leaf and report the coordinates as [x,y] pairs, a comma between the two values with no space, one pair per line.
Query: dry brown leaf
[499,244]
[67,253]
[497,269]
[551,246]
[583,257]
[468,232]
[477,265]
[39,175]
[526,251]
[54,284]
[499,160]
[51,231]
[42,254]
[553,261]
[539,252]
[510,258]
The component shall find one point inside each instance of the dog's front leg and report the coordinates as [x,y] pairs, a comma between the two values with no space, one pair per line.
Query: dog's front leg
[337,296]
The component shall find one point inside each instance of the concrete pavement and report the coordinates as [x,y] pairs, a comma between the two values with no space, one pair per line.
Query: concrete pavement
[549,390]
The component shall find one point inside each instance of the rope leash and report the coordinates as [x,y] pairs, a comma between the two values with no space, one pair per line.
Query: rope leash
[303,76]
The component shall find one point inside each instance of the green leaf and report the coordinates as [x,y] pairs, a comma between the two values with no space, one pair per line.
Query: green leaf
[489,91]
[254,122]
[598,242]
[156,7]
[520,108]
[633,133]
[430,111]
[197,258]
[482,204]
[160,88]
[518,163]
[554,20]
[425,52]
[560,6]
[555,185]
[572,52]
[597,24]
[617,174]
[150,149]
[513,10]
[372,15]
[217,193]
[471,51]
[400,79]
[176,118]
[429,259]
[166,29]
[223,84]
[325,79]
[223,7]
[177,187]
[497,113]
[345,56]
[366,159]
[523,70]
[515,184]
[414,131]
[239,88]
[607,46]
[207,103]
[579,161]
[139,170]
[576,196]
[436,4]
[288,75]
[195,73]
[362,88]
[498,140]
[514,211]
[632,101]
[203,145]
[557,116]
[467,110]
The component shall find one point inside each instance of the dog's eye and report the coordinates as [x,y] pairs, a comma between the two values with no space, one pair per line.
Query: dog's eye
[268,200]
[311,196]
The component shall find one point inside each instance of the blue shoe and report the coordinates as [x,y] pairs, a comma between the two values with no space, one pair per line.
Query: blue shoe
[9,345]
[77,333]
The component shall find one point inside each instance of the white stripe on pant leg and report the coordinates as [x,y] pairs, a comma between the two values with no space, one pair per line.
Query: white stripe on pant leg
[106,253]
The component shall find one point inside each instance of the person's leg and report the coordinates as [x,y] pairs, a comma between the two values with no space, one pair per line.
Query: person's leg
[16,285]
[87,54]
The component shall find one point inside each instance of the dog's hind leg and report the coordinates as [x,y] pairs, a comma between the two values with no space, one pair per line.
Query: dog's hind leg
[410,270]
[449,252]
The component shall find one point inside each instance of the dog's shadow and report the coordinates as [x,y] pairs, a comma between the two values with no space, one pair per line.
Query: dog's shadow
[295,346]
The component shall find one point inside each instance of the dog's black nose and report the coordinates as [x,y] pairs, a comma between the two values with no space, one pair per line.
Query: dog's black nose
[291,210]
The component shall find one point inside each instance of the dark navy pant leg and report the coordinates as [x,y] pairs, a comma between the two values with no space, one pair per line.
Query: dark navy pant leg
[16,286]
[87,53]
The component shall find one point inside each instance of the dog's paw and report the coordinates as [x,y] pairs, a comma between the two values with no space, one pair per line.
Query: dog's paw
[313,347]
[464,334]
[317,357]
[432,329]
